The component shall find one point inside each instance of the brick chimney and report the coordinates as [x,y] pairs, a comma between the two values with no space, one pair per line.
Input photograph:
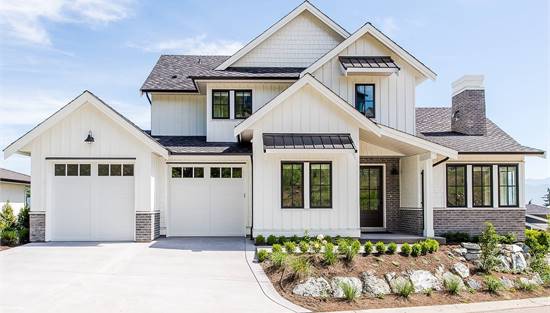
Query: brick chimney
[468,106]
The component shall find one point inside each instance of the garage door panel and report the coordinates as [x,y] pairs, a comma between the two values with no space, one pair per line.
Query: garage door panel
[190,202]
[113,216]
[71,200]
[227,207]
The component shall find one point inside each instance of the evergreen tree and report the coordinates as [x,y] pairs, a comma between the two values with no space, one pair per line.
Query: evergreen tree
[546,198]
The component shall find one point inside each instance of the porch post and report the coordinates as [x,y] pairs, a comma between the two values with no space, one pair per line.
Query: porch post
[427,167]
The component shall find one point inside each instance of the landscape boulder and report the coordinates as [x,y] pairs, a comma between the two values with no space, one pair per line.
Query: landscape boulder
[461,270]
[424,281]
[374,286]
[313,287]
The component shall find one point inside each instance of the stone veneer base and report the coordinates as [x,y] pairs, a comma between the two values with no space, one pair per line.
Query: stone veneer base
[37,223]
[147,226]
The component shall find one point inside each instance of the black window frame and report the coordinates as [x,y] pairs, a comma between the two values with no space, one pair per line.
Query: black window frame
[302,181]
[228,104]
[373,99]
[508,186]
[235,103]
[465,167]
[329,206]
[490,205]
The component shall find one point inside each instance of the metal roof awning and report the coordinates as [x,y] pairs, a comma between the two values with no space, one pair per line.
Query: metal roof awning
[374,65]
[291,141]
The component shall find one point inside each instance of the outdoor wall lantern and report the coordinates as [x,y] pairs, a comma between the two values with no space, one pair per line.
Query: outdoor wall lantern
[90,139]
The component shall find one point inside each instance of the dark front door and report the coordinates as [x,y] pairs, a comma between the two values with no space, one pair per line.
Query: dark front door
[371,196]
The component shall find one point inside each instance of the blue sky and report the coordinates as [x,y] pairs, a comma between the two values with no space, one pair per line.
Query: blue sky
[50,51]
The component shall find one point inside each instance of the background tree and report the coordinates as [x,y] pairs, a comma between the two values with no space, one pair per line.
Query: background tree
[546,197]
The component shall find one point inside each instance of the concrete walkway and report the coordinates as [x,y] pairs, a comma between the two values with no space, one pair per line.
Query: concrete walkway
[169,275]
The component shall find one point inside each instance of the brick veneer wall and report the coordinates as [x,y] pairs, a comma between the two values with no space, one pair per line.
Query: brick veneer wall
[37,224]
[411,220]
[392,189]
[147,226]
[472,221]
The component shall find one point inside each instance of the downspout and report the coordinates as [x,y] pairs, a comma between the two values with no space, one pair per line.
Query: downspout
[252,196]
[148,98]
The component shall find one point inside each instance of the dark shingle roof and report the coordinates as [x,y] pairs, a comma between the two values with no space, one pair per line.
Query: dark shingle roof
[177,72]
[14,177]
[434,124]
[198,145]
[367,62]
[536,209]
[308,141]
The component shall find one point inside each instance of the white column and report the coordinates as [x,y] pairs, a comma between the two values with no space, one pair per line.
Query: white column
[426,164]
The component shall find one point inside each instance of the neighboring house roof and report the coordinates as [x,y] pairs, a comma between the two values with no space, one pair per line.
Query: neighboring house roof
[367,62]
[197,145]
[305,6]
[178,72]
[13,177]
[434,124]
[308,141]
[84,97]
[535,209]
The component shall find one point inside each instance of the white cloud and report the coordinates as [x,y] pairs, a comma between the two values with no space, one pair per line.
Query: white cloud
[191,45]
[25,20]
[388,25]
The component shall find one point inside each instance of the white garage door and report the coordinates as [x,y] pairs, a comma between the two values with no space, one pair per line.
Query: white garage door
[92,202]
[206,201]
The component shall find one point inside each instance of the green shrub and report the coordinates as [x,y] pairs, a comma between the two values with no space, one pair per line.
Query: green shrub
[316,246]
[7,219]
[416,249]
[278,259]
[405,289]
[432,245]
[453,285]
[424,248]
[290,247]
[493,284]
[538,241]
[23,220]
[489,248]
[350,291]
[406,249]
[356,246]
[277,248]
[9,237]
[271,240]
[303,246]
[329,239]
[456,237]
[282,240]
[262,255]
[509,238]
[349,249]
[300,267]
[392,248]
[380,247]
[260,240]
[23,234]
[368,247]
[343,246]
[295,239]
[329,257]
[526,285]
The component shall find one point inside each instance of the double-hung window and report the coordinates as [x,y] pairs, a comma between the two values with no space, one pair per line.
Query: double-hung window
[508,185]
[364,99]
[292,185]
[220,104]
[320,185]
[482,185]
[456,186]
[243,104]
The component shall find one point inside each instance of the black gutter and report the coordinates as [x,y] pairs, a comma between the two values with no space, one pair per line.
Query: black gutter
[504,152]
[15,181]
[439,162]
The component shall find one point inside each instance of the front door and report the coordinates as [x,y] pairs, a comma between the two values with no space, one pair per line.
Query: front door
[371,196]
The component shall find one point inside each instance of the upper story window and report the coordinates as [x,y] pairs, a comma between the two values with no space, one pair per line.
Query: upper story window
[220,104]
[364,99]
[243,103]
[482,184]
[456,186]
[508,185]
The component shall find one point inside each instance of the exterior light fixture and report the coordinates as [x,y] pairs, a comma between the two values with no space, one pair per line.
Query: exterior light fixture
[90,139]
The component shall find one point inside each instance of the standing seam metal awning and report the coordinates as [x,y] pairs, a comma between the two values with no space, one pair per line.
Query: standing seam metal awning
[367,62]
[308,141]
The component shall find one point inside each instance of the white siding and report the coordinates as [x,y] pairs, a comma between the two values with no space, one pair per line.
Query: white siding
[178,115]
[297,44]
[394,94]
[14,193]
[305,112]
[222,129]
[410,182]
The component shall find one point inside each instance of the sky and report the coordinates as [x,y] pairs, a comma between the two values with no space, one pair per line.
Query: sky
[52,50]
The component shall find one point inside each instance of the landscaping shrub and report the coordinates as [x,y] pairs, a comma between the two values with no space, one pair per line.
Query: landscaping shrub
[356,246]
[316,246]
[271,240]
[329,257]
[416,249]
[405,289]
[453,285]
[260,240]
[509,238]
[489,248]
[406,249]
[23,234]
[9,237]
[23,218]
[456,237]
[7,219]
[368,247]
[539,246]
[262,255]
[424,247]
[277,248]
[329,239]
[278,259]
[526,286]
[300,266]
[348,249]
[349,290]
[282,240]
[295,239]
[392,248]
[303,246]
[493,284]
[290,247]
[432,245]
[380,247]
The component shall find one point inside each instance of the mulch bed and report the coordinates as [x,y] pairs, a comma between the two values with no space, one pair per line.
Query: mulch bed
[381,265]
[4,248]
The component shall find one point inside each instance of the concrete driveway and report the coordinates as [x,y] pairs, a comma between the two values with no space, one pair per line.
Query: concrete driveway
[169,275]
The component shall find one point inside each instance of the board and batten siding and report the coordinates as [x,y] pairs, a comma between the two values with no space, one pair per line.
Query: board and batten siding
[394,94]
[221,130]
[178,115]
[306,112]
[297,44]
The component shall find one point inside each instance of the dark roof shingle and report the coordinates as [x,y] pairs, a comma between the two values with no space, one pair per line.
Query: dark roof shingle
[199,145]
[12,176]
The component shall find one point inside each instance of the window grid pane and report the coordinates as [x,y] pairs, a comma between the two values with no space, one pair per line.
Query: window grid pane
[59,169]
[365,100]
[456,186]
[243,103]
[103,170]
[85,169]
[292,185]
[72,169]
[220,104]
[482,185]
[508,188]
[320,185]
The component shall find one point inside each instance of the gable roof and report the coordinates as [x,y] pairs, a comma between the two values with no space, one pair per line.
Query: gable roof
[434,124]
[84,97]
[13,177]
[368,28]
[311,81]
[305,6]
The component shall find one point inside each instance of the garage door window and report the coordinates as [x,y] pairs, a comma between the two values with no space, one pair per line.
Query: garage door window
[237,172]
[198,172]
[226,172]
[72,169]
[187,172]
[60,169]
[85,169]
[116,170]
[128,170]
